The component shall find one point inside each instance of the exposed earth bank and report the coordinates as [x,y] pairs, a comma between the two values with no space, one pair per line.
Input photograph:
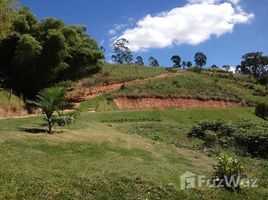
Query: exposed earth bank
[125,103]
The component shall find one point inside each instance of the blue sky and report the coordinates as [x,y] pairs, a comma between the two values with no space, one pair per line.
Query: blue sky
[185,26]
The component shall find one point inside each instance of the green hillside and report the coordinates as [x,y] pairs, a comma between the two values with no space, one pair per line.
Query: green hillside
[10,103]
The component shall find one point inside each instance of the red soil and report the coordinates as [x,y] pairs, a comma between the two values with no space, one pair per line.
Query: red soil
[157,103]
[82,94]
[11,112]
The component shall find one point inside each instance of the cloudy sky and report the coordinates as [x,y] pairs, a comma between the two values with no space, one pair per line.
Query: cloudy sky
[222,29]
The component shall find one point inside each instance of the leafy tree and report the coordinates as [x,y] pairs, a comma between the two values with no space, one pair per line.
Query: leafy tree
[200,59]
[253,63]
[177,61]
[226,67]
[183,64]
[153,62]
[41,53]
[139,61]
[7,15]
[189,64]
[50,100]
[122,53]
[214,67]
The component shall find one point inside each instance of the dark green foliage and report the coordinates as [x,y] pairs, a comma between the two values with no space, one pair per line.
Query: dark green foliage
[189,64]
[122,53]
[7,15]
[139,61]
[243,134]
[229,172]
[51,100]
[42,53]
[153,62]
[221,128]
[176,60]
[262,110]
[253,63]
[200,59]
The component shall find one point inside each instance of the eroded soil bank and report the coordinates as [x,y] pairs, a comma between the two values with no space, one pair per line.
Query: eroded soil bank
[125,103]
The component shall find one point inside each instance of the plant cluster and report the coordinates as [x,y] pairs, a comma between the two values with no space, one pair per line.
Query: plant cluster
[251,136]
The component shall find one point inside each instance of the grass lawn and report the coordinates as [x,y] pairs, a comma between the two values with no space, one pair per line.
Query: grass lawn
[121,73]
[94,158]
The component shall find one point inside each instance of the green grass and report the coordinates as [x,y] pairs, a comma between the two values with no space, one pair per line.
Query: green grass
[8,101]
[122,73]
[192,85]
[94,160]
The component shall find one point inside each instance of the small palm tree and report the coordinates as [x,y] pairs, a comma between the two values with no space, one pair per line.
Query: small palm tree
[50,100]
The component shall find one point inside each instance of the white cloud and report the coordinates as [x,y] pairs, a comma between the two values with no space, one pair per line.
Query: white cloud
[191,24]
[117,28]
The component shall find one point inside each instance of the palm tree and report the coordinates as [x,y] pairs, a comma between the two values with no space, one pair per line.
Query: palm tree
[50,100]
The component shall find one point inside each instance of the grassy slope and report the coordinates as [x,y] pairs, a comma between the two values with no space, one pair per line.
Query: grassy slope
[186,84]
[190,84]
[92,160]
[121,73]
[10,102]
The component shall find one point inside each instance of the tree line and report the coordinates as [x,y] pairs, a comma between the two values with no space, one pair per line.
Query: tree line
[254,63]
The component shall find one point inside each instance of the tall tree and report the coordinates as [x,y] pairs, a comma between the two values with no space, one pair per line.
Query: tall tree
[200,59]
[226,67]
[7,15]
[122,53]
[183,64]
[189,64]
[153,62]
[254,63]
[176,60]
[41,53]
[139,61]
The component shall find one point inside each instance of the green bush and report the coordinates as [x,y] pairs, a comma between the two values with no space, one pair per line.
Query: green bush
[228,172]
[262,110]
[245,136]
[219,127]
[255,141]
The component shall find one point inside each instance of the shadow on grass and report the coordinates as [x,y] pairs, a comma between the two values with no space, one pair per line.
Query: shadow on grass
[33,130]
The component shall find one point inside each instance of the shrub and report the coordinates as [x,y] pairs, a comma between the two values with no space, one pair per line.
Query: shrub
[245,136]
[254,140]
[228,172]
[219,127]
[262,110]
[259,92]
[50,100]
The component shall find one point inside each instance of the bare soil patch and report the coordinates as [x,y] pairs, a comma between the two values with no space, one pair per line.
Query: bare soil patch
[11,112]
[78,95]
[125,103]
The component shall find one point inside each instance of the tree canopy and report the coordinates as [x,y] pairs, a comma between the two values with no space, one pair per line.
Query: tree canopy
[7,15]
[153,62]
[254,63]
[122,53]
[200,59]
[139,61]
[176,60]
[40,53]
